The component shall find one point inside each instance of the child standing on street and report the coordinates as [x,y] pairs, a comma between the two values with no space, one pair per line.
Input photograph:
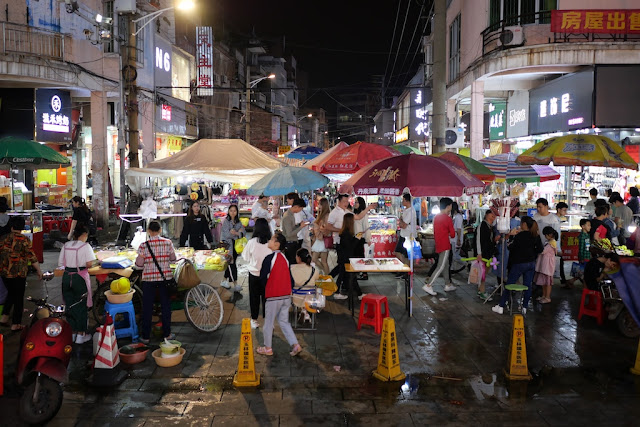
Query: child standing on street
[546,264]
[276,278]
[584,253]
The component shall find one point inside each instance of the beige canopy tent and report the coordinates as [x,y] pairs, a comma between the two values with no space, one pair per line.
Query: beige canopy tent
[226,160]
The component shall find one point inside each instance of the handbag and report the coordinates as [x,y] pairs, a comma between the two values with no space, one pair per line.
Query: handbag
[170,284]
[186,275]
[239,244]
[328,241]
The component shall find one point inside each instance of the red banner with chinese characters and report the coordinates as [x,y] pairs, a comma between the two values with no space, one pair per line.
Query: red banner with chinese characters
[569,245]
[607,21]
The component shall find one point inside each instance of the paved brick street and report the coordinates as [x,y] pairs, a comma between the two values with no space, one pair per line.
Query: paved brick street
[453,351]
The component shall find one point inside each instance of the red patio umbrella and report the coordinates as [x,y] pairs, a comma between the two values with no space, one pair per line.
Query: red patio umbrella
[422,175]
[356,156]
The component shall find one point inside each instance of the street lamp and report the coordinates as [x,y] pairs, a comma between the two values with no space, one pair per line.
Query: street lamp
[247,104]
[183,5]
[308,116]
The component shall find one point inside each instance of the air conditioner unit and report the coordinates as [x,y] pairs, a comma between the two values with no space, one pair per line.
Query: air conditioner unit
[454,138]
[511,36]
[216,79]
[225,80]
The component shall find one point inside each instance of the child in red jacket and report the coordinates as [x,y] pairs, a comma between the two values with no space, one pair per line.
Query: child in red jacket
[276,278]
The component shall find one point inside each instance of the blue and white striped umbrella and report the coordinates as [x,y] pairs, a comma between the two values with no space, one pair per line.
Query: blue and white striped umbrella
[505,168]
[305,152]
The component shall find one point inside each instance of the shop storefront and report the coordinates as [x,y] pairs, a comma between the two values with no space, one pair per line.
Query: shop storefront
[176,125]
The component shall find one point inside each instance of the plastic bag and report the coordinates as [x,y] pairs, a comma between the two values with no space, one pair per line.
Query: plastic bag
[239,244]
[369,250]
[477,272]
[139,238]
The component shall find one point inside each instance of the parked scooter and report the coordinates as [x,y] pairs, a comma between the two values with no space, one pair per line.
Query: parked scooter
[618,310]
[45,351]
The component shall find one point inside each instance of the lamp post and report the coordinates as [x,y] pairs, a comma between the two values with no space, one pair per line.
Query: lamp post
[247,104]
[298,121]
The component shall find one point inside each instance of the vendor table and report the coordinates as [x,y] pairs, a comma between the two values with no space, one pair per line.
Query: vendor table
[351,272]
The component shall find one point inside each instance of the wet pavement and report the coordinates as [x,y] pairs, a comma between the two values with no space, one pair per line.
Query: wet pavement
[453,350]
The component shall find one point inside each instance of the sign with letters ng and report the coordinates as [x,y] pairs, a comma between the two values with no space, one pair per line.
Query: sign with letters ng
[606,21]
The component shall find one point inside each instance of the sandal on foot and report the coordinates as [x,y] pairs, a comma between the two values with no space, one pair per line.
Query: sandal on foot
[295,350]
[545,301]
[264,351]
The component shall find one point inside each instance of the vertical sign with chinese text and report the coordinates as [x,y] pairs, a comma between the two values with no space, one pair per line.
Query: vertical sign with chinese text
[204,60]
[497,122]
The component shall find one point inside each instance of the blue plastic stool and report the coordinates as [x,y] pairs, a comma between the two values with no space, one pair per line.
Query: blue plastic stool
[127,327]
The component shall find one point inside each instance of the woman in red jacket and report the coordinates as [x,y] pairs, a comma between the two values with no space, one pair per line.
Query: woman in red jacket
[276,278]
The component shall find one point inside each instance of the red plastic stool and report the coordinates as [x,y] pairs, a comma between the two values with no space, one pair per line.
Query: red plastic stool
[65,225]
[373,314]
[49,225]
[592,306]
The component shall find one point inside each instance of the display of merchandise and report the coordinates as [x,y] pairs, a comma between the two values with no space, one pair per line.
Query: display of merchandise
[383,235]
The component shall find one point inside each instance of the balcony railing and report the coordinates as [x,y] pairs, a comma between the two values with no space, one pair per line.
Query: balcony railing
[491,35]
[33,41]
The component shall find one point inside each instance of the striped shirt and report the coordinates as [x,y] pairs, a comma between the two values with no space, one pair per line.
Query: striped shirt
[163,250]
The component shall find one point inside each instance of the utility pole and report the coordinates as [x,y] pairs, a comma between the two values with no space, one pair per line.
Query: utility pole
[247,105]
[439,75]
[132,97]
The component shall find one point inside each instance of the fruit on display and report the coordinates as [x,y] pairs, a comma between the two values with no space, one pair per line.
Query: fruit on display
[624,251]
[120,286]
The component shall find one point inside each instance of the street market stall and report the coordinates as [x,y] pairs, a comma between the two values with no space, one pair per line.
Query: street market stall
[422,176]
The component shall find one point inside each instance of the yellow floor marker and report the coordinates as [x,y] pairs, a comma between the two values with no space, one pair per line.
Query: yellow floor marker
[517,369]
[246,375]
[388,359]
[636,368]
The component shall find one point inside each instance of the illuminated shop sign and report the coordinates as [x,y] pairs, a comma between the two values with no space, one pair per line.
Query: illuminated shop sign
[419,128]
[497,122]
[517,117]
[402,134]
[162,58]
[53,115]
[562,105]
[166,112]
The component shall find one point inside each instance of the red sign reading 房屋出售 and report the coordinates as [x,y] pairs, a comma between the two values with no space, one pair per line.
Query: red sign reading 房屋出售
[614,21]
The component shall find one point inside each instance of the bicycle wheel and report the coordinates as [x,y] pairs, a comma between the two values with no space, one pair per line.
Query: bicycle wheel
[99,298]
[203,308]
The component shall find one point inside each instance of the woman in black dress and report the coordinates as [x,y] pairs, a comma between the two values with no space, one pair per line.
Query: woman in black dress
[82,216]
[195,229]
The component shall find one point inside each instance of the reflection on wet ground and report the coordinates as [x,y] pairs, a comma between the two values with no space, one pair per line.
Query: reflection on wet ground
[453,351]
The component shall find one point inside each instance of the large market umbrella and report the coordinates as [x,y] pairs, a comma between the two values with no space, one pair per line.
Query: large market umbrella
[356,156]
[27,154]
[473,166]
[407,149]
[304,152]
[578,150]
[287,179]
[505,168]
[316,163]
[422,175]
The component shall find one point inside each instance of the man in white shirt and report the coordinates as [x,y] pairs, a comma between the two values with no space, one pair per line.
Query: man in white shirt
[260,209]
[590,206]
[334,225]
[407,224]
[544,218]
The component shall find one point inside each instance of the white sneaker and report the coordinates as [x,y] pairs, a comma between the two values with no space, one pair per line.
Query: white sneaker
[340,296]
[225,284]
[449,288]
[361,296]
[429,289]
[524,311]
[81,339]
[497,309]
[237,288]
[254,324]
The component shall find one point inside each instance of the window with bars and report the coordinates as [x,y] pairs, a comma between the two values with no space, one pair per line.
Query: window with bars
[454,49]
[107,10]
[520,12]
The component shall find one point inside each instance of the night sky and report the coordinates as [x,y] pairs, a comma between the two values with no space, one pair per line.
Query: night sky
[340,44]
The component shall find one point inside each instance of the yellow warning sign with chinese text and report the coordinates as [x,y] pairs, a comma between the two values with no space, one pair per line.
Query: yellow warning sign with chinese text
[246,375]
[517,362]
[388,358]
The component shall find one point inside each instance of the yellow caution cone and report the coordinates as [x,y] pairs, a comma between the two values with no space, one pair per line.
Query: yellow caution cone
[636,368]
[246,375]
[517,368]
[388,358]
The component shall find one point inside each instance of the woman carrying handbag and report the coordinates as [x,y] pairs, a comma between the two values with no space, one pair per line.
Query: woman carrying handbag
[155,256]
[232,229]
